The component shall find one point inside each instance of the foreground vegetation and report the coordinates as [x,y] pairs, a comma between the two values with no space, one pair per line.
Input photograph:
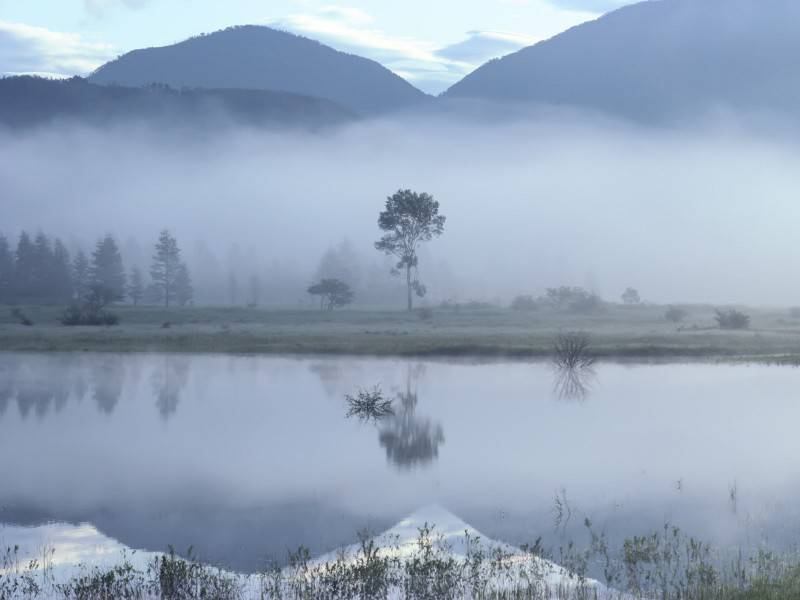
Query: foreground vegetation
[616,331]
[665,565]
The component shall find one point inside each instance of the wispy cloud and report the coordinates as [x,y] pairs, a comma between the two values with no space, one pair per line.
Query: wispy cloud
[36,50]
[594,6]
[424,63]
[97,7]
[481,46]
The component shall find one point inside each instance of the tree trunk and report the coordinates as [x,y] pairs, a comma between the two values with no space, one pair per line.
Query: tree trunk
[408,285]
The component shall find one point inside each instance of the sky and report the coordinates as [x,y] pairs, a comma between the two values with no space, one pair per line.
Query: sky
[432,44]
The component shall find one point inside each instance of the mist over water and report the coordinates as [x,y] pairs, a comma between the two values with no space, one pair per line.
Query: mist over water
[703,216]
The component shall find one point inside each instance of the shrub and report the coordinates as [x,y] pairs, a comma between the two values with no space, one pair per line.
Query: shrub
[732,319]
[368,405]
[526,303]
[574,299]
[21,318]
[631,296]
[425,313]
[675,314]
[91,311]
[572,350]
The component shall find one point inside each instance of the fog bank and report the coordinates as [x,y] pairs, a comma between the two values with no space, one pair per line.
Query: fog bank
[706,216]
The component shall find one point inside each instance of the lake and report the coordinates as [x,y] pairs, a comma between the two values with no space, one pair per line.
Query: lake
[245,458]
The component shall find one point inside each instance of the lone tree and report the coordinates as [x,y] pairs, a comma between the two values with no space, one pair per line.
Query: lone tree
[135,286]
[165,268]
[332,293]
[408,220]
[631,296]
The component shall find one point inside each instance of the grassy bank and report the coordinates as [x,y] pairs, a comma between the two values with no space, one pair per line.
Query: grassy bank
[664,565]
[616,332]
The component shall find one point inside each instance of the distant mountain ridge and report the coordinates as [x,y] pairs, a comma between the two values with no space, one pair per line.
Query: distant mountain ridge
[658,60]
[256,57]
[32,101]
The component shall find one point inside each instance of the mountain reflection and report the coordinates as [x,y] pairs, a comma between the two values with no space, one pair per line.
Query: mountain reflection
[409,440]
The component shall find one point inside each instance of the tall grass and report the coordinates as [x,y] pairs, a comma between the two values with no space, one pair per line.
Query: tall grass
[663,565]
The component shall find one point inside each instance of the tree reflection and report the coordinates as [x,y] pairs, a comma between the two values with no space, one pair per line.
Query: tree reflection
[573,383]
[108,377]
[410,441]
[168,381]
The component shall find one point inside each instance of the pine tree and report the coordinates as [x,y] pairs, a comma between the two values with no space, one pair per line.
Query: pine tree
[61,288]
[184,293]
[165,268]
[136,286]
[24,267]
[107,272]
[233,288]
[81,276]
[42,267]
[6,271]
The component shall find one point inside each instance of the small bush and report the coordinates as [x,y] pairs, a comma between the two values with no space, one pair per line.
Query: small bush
[425,313]
[631,296]
[21,318]
[573,299]
[369,405]
[675,314]
[732,319]
[524,303]
[91,311]
[572,350]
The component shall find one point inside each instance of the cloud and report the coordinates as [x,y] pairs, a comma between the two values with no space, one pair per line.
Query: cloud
[25,49]
[98,7]
[594,6]
[424,63]
[481,46]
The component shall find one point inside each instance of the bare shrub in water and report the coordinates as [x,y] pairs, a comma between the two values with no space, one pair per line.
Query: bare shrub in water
[369,405]
[571,350]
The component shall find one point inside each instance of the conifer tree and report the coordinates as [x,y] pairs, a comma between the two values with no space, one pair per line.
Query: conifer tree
[136,286]
[107,272]
[165,268]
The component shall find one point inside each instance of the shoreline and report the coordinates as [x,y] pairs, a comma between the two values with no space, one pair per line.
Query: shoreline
[616,334]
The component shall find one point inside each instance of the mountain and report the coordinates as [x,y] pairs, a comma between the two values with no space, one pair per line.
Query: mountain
[661,60]
[252,57]
[31,101]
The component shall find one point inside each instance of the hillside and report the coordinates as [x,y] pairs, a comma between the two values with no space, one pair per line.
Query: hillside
[32,101]
[660,60]
[252,57]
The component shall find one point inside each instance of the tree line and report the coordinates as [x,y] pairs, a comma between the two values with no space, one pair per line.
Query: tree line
[40,270]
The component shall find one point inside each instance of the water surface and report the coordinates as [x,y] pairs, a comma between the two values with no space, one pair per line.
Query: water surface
[245,458]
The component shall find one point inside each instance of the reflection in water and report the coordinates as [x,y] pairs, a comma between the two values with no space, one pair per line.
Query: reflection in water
[409,440]
[168,381]
[109,378]
[258,459]
[573,383]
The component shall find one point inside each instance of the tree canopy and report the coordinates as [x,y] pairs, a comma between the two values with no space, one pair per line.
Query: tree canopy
[333,293]
[409,219]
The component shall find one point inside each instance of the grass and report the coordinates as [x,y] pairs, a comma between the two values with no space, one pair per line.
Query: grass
[664,565]
[616,332]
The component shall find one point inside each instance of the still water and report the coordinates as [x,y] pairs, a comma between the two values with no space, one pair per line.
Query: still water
[244,458]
